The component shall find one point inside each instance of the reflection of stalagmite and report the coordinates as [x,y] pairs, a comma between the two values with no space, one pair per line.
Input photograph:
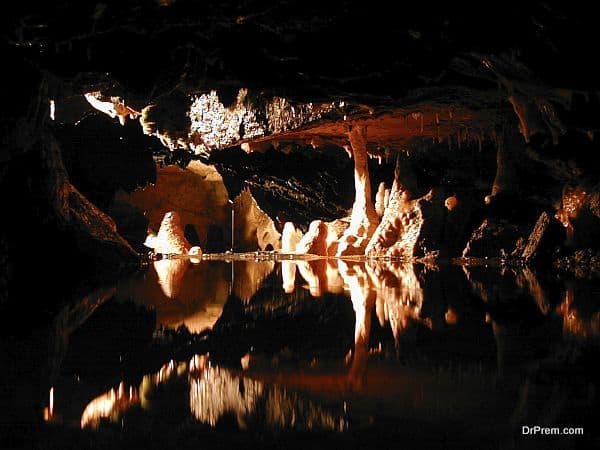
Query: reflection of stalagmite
[335,283]
[574,326]
[364,219]
[363,300]
[196,301]
[170,275]
[315,274]
[170,239]
[399,295]
[288,276]
[527,279]
[249,276]
[398,232]
[314,242]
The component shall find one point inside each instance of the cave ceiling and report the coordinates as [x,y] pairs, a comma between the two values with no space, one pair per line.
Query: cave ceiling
[451,72]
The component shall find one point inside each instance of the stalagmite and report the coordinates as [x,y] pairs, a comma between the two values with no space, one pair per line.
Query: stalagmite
[197,251]
[170,237]
[397,234]
[170,240]
[314,242]
[364,219]
[290,237]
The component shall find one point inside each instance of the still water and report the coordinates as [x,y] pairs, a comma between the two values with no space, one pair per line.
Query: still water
[435,356]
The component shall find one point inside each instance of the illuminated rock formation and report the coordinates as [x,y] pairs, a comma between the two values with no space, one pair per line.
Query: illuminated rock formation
[113,106]
[401,225]
[254,229]
[578,210]
[196,251]
[214,125]
[170,237]
[198,195]
[290,237]
[314,242]
[364,218]
[381,200]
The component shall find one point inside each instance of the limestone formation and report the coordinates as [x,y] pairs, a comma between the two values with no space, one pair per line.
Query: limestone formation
[399,230]
[197,193]
[290,237]
[380,200]
[314,242]
[254,229]
[111,106]
[196,251]
[170,237]
[364,218]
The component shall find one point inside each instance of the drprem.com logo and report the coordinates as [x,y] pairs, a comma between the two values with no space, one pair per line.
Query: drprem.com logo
[549,431]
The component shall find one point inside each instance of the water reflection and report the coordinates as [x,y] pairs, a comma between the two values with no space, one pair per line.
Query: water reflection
[193,294]
[422,342]
[214,394]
